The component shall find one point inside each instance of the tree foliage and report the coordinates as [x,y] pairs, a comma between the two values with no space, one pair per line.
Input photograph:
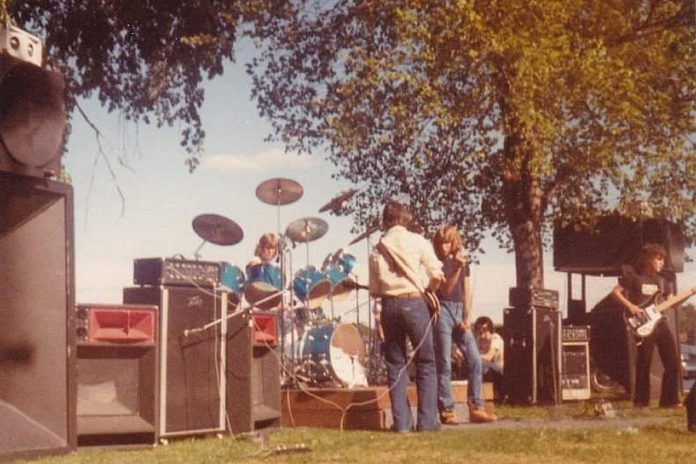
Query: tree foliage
[504,116]
[145,58]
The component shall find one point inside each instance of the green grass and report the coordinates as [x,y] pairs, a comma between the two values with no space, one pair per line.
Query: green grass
[665,440]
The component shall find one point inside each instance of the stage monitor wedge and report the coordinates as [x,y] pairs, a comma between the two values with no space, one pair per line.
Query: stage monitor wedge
[37,347]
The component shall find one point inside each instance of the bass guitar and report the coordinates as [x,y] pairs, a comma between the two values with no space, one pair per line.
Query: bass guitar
[644,323]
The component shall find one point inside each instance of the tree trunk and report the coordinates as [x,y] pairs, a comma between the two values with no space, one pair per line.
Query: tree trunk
[529,257]
[523,209]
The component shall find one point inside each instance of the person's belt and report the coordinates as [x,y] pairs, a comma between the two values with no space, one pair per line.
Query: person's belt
[404,296]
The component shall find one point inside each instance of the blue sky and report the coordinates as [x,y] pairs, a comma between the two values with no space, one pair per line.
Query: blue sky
[162,199]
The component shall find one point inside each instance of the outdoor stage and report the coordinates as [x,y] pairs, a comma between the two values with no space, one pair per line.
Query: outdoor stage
[358,408]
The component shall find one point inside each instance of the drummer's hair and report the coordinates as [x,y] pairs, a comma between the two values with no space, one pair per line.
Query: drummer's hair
[447,234]
[267,240]
[395,214]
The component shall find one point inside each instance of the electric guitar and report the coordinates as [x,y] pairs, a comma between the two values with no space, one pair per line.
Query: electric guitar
[644,323]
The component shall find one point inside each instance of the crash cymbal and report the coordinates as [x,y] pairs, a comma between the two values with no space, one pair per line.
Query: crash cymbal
[367,233]
[338,201]
[279,191]
[306,229]
[217,229]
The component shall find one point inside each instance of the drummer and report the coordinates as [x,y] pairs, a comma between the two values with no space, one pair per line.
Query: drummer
[266,250]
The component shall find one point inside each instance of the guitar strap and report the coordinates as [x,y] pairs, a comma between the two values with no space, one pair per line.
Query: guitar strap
[399,262]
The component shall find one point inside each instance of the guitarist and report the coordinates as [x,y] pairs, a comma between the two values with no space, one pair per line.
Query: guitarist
[405,315]
[633,290]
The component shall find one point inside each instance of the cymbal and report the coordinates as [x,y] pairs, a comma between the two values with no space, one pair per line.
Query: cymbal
[279,191]
[217,229]
[338,201]
[367,233]
[306,229]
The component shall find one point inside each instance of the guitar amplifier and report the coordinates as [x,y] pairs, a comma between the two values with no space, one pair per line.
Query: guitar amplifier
[575,333]
[172,271]
[540,297]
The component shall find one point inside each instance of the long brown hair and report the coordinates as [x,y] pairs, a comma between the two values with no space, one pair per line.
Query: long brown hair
[447,234]
[267,240]
[647,253]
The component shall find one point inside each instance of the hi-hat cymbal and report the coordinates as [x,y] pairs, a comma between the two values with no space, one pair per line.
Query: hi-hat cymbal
[279,191]
[306,229]
[217,229]
[367,233]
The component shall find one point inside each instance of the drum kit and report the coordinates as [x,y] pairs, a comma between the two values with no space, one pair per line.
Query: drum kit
[315,349]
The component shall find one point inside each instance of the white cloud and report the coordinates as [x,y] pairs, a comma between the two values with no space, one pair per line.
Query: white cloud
[276,158]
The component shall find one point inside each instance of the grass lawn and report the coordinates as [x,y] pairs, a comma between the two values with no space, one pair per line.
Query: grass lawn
[527,435]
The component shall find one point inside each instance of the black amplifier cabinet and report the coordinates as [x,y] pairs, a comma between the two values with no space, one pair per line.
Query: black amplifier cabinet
[537,297]
[171,271]
[532,355]
[192,359]
[253,373]
[37,340]
[116,374]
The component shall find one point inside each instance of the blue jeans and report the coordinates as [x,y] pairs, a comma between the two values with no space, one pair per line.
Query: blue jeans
[447,331]
[403,318]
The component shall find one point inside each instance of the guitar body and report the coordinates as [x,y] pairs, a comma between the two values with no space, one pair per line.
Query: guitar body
[644,323]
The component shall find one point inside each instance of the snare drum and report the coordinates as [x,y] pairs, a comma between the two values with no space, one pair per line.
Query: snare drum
[311,286]
[232,277]
[263,281]
[335,353]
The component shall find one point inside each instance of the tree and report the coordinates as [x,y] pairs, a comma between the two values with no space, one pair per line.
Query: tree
[501,116]
[147,58]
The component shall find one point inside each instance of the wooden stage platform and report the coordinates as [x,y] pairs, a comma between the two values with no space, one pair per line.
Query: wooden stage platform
[358,408]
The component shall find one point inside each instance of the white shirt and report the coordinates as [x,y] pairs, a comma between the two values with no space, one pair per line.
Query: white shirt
[418,253]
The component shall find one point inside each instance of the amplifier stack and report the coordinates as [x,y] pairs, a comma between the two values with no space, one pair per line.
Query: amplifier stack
[532,346]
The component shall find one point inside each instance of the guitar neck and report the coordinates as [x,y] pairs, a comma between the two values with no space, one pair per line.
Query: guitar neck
[669,302]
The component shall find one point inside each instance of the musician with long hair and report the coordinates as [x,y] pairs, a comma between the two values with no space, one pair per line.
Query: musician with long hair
[454,326]
[633,290]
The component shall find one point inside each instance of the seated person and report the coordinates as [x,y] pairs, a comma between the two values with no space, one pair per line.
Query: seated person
[491,347]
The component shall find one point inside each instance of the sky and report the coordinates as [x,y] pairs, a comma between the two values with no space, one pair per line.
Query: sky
[146,207]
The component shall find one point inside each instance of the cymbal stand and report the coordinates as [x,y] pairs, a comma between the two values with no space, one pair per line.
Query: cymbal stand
[197,254]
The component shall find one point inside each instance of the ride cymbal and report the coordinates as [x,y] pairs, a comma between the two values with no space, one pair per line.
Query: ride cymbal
[279,191]
[306,229]
[217,229]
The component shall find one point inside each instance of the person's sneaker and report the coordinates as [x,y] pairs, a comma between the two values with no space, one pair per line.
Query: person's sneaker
[479,416]
[448,417]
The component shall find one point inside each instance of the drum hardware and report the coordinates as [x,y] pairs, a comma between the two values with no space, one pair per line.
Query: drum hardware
[277,192]
[216,229]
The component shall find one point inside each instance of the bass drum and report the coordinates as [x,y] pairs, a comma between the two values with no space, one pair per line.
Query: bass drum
[263,286]
[335,354]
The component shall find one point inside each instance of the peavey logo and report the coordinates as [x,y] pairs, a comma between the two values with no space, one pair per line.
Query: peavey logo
[195,302]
